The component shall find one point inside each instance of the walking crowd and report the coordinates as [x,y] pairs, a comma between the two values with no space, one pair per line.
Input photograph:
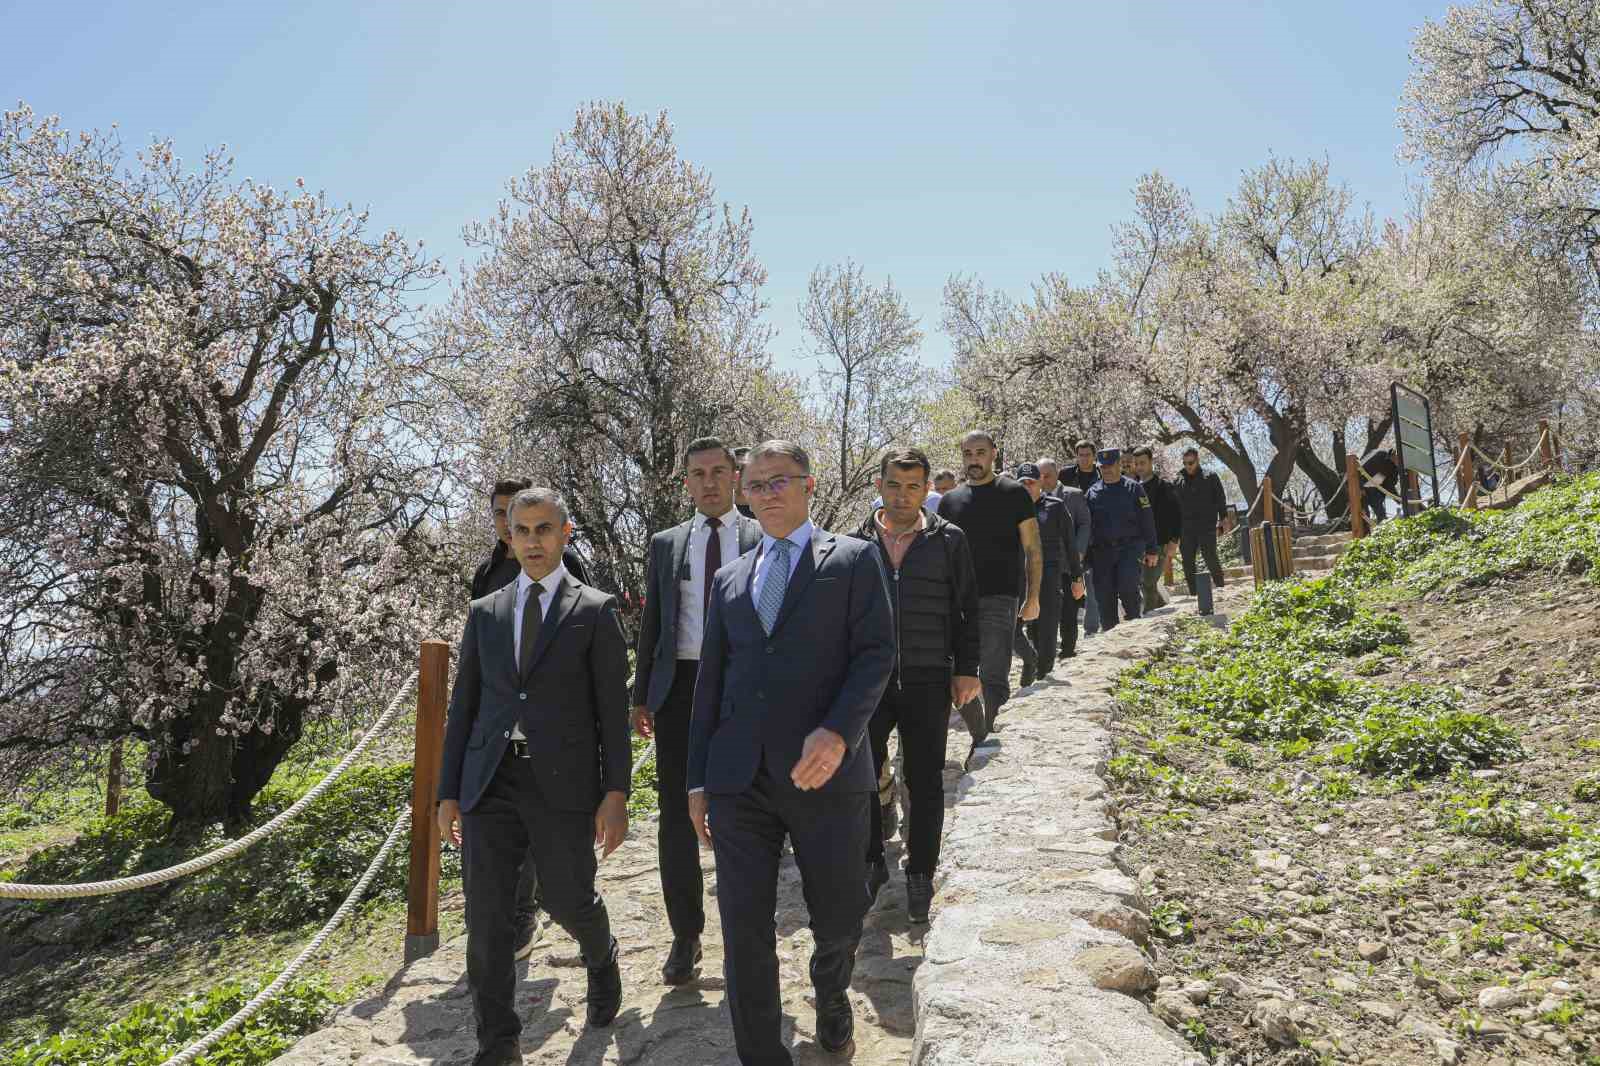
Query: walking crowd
[773,661]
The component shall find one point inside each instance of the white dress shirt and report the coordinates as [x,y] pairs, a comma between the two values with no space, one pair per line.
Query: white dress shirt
[799,544]
[692,590]
[547,594]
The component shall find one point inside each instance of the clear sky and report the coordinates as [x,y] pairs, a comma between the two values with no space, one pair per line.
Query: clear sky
[919,138]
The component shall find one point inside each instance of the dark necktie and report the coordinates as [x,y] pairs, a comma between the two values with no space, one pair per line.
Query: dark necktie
[531,621]
[713,561]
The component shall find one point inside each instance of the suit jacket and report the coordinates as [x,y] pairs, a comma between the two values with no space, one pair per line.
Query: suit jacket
[656,656]
[826,664]
[572,703]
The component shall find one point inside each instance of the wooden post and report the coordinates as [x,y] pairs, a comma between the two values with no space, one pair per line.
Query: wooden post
[422,887]
[1414,480]
[114,780]
[1269,513]
[1464,471]
[1170,580]
[1505,466]
[1547,451]
[1352,488]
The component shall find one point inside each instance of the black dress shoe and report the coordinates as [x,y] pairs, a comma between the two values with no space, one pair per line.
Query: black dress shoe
[605,991]
[836,1027]
[877,877]
[919,896]
[683,961]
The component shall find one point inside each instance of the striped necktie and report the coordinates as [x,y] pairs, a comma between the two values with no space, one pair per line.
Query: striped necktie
[774,585]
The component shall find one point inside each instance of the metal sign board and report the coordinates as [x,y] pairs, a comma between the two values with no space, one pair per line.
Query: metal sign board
[1413,438]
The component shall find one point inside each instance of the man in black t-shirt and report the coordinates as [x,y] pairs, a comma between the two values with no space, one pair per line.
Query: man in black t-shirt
[997,515]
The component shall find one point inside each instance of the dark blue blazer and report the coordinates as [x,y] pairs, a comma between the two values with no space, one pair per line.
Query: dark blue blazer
[826,664]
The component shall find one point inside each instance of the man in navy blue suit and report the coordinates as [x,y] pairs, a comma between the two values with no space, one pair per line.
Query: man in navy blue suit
[799,644]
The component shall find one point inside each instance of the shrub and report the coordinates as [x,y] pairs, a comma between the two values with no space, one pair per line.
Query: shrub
[1421,730]
[1587,787]
[152,1032]
[1554,529]
[296,875]
[1575,865]
[1316,616]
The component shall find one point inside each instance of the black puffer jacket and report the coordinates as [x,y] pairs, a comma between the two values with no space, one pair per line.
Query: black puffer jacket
[935,599]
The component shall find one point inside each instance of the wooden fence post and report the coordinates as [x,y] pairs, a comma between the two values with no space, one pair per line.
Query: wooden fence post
[1268,510]
[1352,488]
[422,886]
[114,779]
[1414,481]
[1547,451]
[1464,471]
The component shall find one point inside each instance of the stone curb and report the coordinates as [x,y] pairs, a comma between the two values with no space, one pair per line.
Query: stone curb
[1033,956]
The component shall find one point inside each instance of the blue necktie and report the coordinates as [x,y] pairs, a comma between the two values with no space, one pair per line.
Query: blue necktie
[773,586]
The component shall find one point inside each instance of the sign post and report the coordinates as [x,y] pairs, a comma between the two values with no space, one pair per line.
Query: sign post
[1413,438]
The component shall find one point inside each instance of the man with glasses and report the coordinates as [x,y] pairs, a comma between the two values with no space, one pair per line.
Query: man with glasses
[682,562]
[798,648]
[1203,507]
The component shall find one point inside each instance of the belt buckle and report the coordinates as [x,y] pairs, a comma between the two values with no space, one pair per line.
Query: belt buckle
[517,749]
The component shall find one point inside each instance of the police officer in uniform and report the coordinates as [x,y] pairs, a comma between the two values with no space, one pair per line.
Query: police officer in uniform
[1123,538]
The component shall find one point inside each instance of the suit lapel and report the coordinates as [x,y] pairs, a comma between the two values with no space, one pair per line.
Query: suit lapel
[670,592]
[566,600]
[749,534]
[505,620]
[821,546]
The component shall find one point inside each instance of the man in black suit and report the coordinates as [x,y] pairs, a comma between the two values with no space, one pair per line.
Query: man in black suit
[799,645]
[492,575]
[536,754]
[682,562]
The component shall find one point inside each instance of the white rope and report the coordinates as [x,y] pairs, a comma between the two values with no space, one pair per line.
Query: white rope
[248,1011]
[649,752]
[12,890]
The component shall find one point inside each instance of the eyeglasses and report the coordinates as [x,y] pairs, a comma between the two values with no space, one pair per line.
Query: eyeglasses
[772,486]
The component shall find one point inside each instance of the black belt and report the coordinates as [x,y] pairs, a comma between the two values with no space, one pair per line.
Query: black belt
[517,749]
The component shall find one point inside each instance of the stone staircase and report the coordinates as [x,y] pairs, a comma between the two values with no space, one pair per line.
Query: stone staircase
[1314,554]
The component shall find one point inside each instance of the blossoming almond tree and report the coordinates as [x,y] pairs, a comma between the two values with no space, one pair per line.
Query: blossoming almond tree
[612,318]
[216,481]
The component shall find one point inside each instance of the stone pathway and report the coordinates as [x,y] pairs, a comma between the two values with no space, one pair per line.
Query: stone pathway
[1032,914]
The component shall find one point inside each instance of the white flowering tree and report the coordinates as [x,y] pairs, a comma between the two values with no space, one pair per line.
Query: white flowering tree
[216,482]
[869,388]
[612,317]
[1506,94]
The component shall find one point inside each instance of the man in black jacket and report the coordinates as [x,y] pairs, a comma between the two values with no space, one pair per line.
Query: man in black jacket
[492,575]
[934,592]
[1083,476]
[1169,523]
[1203,508]
[1036,641]
[1077,505]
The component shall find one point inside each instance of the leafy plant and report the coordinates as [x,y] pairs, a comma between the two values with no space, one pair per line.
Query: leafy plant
[152,1032]
[1171,920]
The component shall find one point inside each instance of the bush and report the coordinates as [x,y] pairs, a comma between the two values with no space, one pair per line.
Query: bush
[1587,787]
[1554,529]
[151,1033]
[297,875]
[1421,730]
[1575,865]
[1316,616]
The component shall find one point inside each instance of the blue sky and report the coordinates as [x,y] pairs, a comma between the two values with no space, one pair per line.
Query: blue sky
[920,139]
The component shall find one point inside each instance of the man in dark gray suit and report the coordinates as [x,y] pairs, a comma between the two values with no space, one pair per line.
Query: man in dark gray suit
[682,562]
[536,754]
[799,645]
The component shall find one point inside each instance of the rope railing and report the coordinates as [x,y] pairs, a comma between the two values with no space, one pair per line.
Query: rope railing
[13,890]
[265,996]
